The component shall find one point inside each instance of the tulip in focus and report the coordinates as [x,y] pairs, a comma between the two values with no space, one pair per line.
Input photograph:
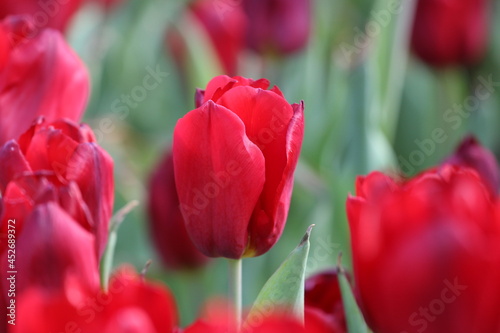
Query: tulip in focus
[278,26]
[471,154]
[39,76]
[451,32]
[234,158]
[57,162]
[166,222]
[426,252]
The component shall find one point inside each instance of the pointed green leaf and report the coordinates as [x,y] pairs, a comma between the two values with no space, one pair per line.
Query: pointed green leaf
[284,291]
[355,320]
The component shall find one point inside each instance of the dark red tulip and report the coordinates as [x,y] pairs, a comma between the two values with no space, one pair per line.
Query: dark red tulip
[278,26]
[323,301]
[224,22]
[166,222]
[59,162]
[51,246]
[130,306]
[426,252]
[234,158]
[40,76]
[451,32]
[44,13]
[471,154]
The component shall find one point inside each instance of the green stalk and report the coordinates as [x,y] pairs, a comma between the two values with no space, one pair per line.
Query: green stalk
[235,289]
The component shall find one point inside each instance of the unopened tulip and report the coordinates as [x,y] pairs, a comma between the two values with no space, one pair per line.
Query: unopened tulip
[471,154]
[59,162]
[39,76]
[451,32]
[426,252]
[323,301]
[278,26]
[166,222]
[234,158]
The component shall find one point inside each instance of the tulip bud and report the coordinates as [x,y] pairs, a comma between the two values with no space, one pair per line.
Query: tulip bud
[471,154]
[234,158]
[451,32]
[40,76]
[58,162]
[44,13]
[426,252]
[323,301]
[166,222]
[278,26]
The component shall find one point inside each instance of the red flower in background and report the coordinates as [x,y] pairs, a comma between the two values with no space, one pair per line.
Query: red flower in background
[225,24]
[234,158]
[44,13]
[426,252]
[451,32]
[58,162]
[166,222]
[278,26]
[39,76]
[130,306]
[471,154]
[323,301]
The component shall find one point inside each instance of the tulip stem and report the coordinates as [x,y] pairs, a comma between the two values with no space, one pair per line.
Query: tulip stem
[235,291]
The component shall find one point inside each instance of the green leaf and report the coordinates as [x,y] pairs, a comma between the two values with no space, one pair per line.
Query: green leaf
[284,291]
[355,320]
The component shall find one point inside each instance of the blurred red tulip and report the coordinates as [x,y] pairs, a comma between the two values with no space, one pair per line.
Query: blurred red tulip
[426,252]
[234,158]
[471,154]
[41,76]
[130,306]
[166,223]
[51,246]
[225,23]
[59,162]
[44,13]
[278,26]
[451,32]
[323,301]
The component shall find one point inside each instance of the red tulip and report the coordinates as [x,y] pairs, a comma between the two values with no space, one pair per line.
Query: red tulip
[471,154]
[234,158]
[44,13]
[224,23]
[451,32]
[278,26]
[58,162]
[51,246]
[130,306]
[426,252]
[166,223]
[323,301]
[40,76]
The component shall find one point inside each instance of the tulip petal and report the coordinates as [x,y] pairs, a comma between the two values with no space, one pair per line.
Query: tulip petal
[92,169]
[12,163]
[52,245]
[219,174]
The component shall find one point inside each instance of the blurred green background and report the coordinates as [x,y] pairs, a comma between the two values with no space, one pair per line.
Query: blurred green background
[362,113]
